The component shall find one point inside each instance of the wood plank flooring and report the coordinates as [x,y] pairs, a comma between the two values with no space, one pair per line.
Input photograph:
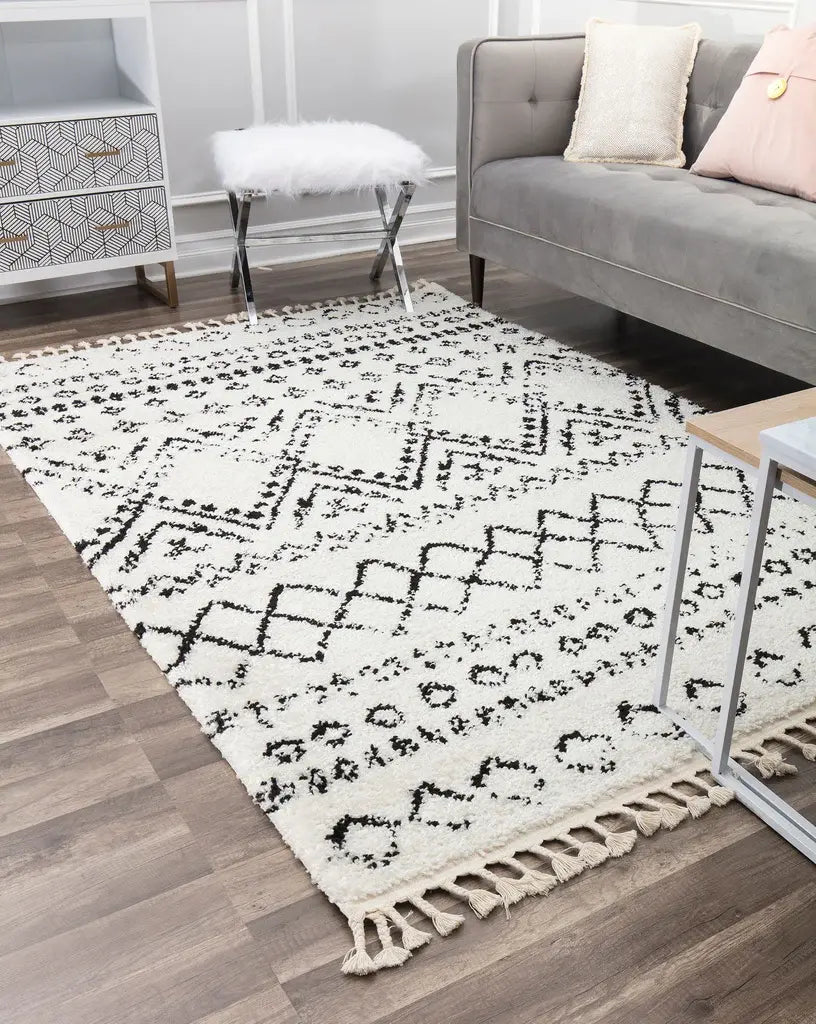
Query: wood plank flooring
[139,885]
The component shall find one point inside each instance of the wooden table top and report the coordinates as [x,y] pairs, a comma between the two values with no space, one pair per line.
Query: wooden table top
[736,431]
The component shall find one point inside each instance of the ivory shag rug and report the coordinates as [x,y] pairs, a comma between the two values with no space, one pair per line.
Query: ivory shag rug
[408,573]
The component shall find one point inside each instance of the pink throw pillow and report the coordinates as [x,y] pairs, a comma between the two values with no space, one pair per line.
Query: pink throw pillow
[767,136]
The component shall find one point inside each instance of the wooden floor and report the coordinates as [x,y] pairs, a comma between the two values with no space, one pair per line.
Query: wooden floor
[138,883]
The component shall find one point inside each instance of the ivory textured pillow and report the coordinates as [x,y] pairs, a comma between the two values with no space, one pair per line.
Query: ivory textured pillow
[766,136]
[633,94]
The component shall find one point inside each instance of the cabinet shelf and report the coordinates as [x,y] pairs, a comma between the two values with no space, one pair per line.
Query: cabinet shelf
[72,110]
[68,10]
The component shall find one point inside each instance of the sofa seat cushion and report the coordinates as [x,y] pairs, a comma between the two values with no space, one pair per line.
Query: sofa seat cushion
[742,245]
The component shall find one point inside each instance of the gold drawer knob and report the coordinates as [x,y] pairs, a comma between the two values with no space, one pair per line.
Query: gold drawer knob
[9,163]
[98,154]
[11,239]
[116,225]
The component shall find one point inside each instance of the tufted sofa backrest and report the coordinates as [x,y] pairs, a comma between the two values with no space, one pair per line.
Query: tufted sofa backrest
[526,92]
[718,71]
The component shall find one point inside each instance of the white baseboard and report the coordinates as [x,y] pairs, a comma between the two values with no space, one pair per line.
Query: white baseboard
[211,252]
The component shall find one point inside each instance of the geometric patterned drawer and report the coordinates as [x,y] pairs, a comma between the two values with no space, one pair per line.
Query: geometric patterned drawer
[70,156]
[75,229]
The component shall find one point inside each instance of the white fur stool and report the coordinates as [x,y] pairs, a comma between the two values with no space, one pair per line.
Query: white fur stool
[313,158]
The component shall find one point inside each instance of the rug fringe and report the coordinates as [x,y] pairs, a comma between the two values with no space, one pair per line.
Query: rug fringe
[197,325]
[567,852]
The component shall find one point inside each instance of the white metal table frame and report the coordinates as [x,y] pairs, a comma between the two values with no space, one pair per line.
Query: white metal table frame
[749,790]
[389,247]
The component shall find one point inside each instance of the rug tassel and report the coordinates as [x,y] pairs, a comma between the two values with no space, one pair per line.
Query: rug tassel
[535,883]
[412,938]
[591,854]
[390,955]
[564,866]
[697,805]
[646,822]
[671,814]
[443,922]
[718,795]
[480,901]
[509,890]
[807,750]
[357,961]
[768,764]
[617,843]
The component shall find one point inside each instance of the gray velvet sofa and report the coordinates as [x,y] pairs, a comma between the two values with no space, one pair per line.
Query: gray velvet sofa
[728,264]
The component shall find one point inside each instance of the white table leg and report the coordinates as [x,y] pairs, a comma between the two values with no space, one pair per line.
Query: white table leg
[765,484]
[749,790]
[677,572]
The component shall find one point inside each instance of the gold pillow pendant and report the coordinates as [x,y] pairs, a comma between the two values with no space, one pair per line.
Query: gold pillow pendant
[777,88]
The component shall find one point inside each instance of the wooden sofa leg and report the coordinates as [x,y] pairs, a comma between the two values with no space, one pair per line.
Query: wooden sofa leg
[477,273]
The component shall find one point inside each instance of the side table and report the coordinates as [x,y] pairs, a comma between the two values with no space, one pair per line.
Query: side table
[776,440]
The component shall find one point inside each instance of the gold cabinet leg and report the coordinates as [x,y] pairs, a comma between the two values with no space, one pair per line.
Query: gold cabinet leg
[170,282]
[170,293]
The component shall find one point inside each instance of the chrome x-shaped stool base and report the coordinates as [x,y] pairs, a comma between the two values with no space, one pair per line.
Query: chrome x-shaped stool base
[387,236]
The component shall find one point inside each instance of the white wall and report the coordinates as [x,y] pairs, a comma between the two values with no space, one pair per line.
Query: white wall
[724,19]
[721,19]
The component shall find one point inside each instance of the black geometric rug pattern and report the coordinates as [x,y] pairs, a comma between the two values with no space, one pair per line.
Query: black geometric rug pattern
[407,573]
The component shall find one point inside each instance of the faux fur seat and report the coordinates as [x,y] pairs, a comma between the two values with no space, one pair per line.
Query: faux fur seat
[312,158]
[330,156]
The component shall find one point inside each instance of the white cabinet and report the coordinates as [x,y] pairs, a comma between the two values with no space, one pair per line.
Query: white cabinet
[83,170]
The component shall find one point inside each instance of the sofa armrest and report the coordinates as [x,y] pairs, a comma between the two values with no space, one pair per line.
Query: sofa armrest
[516,97]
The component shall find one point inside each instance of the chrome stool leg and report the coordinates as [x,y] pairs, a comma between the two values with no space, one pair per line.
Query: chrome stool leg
[239,209]
[386,235]
[389,246]
[235,279]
